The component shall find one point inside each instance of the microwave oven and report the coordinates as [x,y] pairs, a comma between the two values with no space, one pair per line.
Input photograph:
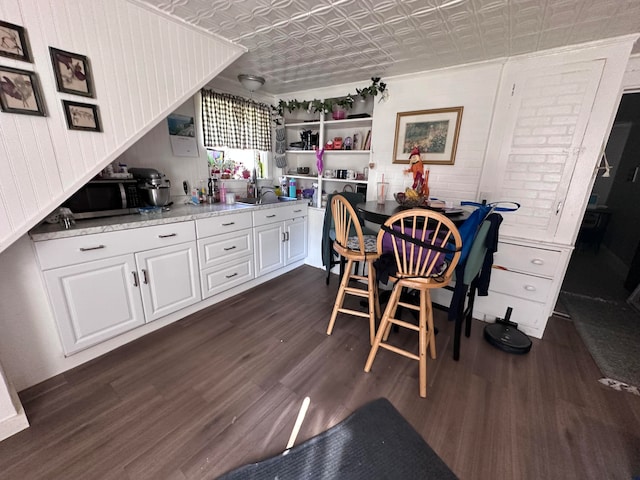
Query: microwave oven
[105,198]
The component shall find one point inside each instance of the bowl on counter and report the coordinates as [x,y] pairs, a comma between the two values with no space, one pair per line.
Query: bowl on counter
[155,196]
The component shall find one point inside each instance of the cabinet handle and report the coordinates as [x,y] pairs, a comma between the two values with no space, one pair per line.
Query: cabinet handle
[286,236]
[135,278]
[297,211]
[168,236]
[228,224]
[230,248]
[530,288]
[86,249]
[537,261]
[271,216]
[231,276]
[145,279]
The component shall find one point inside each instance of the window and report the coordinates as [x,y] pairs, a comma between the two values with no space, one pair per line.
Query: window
[239,127]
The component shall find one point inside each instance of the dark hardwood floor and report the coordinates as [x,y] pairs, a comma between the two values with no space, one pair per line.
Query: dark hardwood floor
[223,387]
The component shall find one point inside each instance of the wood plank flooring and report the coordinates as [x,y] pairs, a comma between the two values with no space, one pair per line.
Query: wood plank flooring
[223,387]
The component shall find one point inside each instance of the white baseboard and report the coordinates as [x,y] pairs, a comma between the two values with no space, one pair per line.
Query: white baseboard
[15,423]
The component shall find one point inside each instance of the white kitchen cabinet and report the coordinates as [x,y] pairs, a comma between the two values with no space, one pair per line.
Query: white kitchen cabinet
[105,284]
[269,243]
[95,301]
[280,237]
[295,245]
[225,252]
[169,279]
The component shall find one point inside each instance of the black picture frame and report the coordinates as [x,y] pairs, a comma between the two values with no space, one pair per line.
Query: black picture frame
[13,42]
[20,92]
[82,116]
[72,72]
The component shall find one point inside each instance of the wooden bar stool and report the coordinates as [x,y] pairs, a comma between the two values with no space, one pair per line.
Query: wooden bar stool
[354,246]
[426,247]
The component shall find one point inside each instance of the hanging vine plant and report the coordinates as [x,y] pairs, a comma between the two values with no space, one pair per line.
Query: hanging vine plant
[377,87]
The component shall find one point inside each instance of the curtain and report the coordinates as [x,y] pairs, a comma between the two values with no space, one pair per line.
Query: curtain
[235,122]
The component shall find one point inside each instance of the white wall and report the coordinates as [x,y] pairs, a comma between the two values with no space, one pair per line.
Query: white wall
[29,346]
[144,65]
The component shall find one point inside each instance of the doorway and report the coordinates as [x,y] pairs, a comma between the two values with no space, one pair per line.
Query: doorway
[604,269]
[614,249]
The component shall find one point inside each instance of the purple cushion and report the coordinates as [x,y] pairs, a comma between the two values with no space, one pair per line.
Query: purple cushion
[426,255]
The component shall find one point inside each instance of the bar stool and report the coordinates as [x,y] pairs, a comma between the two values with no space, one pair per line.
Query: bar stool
[354,246]
[426,247]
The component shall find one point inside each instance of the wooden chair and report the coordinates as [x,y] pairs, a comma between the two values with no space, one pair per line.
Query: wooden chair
[354,246]
[426,247]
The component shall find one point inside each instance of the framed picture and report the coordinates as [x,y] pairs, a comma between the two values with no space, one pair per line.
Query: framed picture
[20,92]
[72,72]
[433,132]
[82,116]
[13,42]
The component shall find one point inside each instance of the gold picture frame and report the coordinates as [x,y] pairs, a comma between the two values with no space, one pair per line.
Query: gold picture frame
[434,132]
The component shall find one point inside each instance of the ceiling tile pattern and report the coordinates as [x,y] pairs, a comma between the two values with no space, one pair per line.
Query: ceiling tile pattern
[302,44]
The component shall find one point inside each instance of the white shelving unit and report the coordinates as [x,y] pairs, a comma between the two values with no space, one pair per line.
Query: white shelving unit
[328,129]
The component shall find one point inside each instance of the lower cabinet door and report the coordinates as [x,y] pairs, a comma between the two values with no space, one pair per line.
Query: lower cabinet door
[95,301]
[169,279]
[296,244]
[269,247]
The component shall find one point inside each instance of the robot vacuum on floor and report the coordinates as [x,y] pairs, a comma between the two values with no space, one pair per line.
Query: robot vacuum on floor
[505,335]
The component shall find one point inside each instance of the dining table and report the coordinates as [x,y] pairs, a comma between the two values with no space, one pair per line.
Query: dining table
[379,213]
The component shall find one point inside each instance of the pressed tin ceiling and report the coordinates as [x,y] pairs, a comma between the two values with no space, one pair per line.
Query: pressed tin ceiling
[304,44]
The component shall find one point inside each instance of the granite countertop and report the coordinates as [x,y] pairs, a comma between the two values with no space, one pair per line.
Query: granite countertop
[176,213]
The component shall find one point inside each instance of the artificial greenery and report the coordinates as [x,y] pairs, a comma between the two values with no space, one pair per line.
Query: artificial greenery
[346,102]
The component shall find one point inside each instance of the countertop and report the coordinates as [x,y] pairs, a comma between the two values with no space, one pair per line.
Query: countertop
[177,213]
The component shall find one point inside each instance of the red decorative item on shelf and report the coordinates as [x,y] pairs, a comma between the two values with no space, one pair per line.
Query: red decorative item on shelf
[337,143]
[328,145]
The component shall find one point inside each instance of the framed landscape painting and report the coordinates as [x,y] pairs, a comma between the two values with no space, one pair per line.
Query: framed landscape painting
[433,132]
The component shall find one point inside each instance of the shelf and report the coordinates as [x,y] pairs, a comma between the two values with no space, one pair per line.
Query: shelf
[315,123]
[348,152]
[342,180]
[301,176]
[342,152]
[349,122]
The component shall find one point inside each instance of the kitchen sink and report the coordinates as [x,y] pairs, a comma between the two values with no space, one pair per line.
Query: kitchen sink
[255,201]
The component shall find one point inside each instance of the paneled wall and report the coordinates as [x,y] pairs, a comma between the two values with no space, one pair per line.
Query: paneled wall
[144,65]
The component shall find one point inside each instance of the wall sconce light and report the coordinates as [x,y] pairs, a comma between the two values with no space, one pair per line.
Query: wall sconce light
[251,82]
[606,167]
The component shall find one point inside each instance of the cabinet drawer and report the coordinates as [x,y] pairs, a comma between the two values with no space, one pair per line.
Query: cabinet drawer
[525,312]
[224,248]
[520,285]
[527,259]
[225,276]
[205,227]
[265,216]
[84,248]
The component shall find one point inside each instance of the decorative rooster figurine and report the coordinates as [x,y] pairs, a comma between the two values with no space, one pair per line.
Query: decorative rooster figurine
[420,177]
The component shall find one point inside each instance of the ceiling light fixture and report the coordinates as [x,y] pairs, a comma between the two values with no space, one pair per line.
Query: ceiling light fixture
[251,82]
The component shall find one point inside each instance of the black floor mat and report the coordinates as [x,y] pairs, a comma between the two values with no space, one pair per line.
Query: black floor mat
[375,442]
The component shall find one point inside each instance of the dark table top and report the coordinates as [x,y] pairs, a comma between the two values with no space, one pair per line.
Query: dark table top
[378,213]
